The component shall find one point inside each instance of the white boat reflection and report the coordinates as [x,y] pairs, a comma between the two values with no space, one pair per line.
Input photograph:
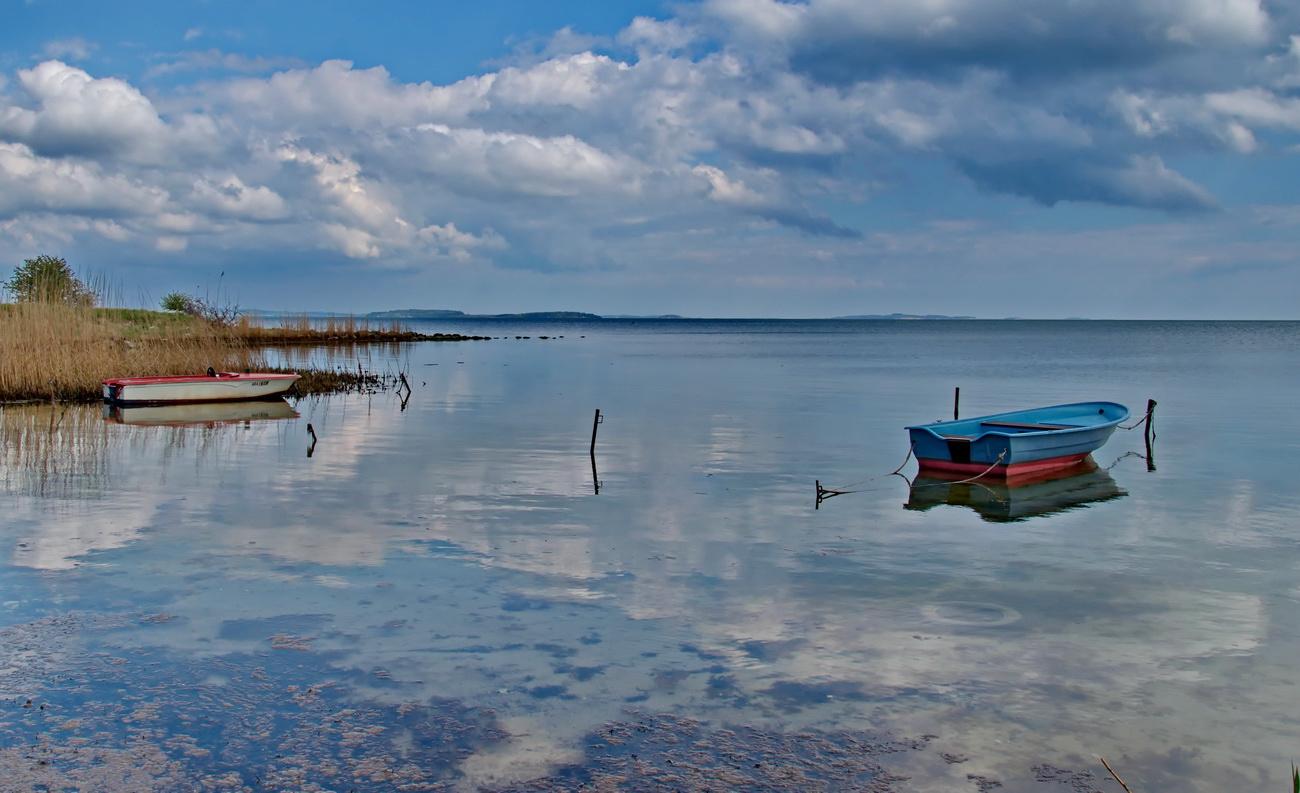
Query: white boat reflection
[208,413]
[1018,499]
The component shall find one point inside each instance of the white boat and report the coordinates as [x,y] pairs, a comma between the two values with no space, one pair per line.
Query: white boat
[212,387]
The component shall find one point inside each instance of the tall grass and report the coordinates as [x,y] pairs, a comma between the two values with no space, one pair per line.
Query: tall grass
[50,349]
[300,329]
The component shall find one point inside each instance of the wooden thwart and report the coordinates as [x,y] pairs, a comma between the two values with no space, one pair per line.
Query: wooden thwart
[1023,425]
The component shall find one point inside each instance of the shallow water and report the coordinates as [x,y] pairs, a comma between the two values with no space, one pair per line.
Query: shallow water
[443,594]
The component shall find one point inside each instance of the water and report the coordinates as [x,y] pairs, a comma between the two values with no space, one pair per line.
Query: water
[444,595]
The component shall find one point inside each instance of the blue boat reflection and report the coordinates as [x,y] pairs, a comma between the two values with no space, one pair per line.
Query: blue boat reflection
[208,413]
[1017,499]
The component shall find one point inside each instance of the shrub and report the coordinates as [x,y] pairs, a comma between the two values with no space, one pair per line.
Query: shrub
[49,279]
[198,307]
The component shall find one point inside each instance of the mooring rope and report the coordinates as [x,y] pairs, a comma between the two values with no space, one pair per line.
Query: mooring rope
[845,488]
[1151,408]
[1139,423]
[826,492]
[996,462]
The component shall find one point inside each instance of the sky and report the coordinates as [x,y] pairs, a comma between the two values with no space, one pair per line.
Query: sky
[1131,159]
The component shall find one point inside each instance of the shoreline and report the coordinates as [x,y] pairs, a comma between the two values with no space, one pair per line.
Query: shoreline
[56,353]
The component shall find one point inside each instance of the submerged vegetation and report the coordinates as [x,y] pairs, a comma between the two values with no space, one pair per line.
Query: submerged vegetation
[57,343]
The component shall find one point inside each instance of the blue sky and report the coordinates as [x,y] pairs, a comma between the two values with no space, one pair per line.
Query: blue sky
[1100,158]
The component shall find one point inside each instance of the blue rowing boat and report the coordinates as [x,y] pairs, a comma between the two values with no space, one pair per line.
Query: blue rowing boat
[1017,443]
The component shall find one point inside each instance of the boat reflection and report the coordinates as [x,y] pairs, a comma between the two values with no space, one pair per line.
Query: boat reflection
[208,413]
[1017,499]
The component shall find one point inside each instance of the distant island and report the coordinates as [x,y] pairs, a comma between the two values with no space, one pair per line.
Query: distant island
[440,313]
[901,316]
[444,313]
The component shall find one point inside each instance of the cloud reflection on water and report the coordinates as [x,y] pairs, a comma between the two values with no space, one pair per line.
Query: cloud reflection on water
[463,553]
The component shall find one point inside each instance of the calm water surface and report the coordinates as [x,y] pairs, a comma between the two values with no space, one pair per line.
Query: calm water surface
[442,594]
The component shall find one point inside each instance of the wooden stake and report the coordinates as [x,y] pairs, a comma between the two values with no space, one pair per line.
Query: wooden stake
[595,477]
[1150,433]
[594,426]
[956,400]
[1112,773]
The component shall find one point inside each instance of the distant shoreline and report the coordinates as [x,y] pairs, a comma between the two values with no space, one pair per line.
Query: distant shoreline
[432,314]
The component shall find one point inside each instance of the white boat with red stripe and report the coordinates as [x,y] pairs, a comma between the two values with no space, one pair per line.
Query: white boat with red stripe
[211,387]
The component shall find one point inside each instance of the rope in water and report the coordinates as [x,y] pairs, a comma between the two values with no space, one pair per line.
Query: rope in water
[845,488]
[825,492]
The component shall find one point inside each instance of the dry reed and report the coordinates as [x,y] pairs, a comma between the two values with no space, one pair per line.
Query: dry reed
[54,351]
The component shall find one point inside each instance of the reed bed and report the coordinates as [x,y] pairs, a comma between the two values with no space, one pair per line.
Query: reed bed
[53,351]
[49,350]
[301,329]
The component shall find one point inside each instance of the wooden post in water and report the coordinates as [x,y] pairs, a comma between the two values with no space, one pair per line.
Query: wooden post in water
[1150,433]
[595,477]
[956,400]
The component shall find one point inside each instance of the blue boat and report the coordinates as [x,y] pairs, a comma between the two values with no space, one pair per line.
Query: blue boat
[1018,443]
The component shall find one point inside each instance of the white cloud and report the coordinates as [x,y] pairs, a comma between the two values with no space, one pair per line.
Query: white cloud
[734,121]
[336,95]
[216,59]
[575,80]
[29,183]
[1259,106]
[654,36]
[229,196]
[78,114]
[72,114]
[76,49]
[474,160]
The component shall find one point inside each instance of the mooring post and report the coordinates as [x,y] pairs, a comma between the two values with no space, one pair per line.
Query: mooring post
[956,401]
[595,477]
[312,433]
[1150,433]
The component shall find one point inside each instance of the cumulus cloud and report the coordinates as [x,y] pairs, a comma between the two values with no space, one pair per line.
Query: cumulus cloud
[76,114]
[229,196]
[335,95]
[1139,181]
[844,41]
[69,113]
[745,119]
[30,183]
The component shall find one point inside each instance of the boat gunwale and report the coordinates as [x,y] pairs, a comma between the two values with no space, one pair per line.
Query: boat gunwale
[219,377]
[978,420]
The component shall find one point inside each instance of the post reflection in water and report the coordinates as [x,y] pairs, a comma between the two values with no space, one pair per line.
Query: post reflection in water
[439,594]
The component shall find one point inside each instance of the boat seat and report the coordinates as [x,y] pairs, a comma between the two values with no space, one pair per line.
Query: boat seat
[1023,425]
[958,437]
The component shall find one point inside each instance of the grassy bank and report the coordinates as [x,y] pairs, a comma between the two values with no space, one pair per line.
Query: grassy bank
[54,350]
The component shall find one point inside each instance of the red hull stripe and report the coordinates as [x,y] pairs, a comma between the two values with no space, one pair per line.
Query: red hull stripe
[1000,471]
